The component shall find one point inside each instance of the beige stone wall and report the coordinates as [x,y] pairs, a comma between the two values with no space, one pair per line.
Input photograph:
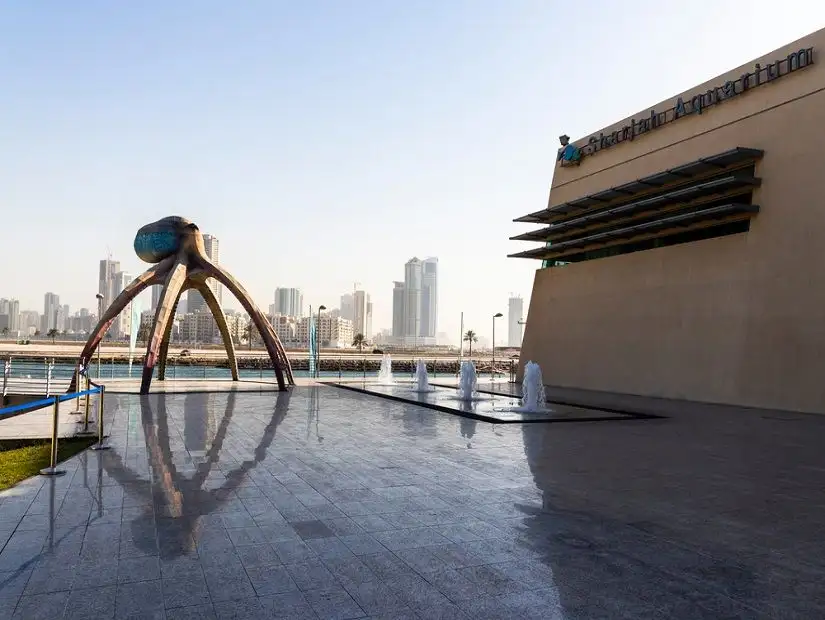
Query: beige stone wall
[738,319]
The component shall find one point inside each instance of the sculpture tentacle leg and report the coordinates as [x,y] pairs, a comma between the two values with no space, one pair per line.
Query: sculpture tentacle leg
[220,319]
[171,291]
[270,338]
[167,335]
[137,286]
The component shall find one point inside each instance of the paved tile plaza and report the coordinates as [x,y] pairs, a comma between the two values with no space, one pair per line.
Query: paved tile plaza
[325,503]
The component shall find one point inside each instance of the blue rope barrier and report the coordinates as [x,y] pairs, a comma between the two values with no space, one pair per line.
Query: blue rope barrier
[31,405]
[46,401]
[74,395]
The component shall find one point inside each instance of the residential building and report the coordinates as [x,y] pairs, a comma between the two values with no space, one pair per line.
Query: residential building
[14,315]
[429,300]
[287,329]
[29,322]
[10,309]
[398,297]
[106,281]
[51,303]
[415,303]
[123,323]
[347,306]
[332,332]
[412,300]
[362,314]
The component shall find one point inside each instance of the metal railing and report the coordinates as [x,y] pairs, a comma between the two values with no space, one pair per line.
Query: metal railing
[54,402]
[26,375]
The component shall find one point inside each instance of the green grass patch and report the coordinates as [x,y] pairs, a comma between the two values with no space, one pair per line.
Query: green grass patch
[23,458]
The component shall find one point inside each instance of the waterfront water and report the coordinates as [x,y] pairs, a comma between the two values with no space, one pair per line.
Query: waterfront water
[22,369]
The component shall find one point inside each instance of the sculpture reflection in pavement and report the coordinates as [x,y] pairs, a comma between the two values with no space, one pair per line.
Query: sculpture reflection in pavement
[185,499]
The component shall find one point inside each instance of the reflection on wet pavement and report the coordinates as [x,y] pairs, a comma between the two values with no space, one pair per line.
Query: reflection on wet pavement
[323,503]
[487,406]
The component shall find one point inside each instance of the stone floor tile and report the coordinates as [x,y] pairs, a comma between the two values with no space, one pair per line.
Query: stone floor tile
[292,551]
[258,555]
[329,548]
[395,540]
[138,569]
[683,516]
[268,580]
[333,604]
[247,536]
[309,530]
[289,606]
[375,597]
[197,612]
[41,606]
[185,592]
[362,544]
[8,605]
[142,597]
[91,603]
[312,575]
[243,609]
[181,567]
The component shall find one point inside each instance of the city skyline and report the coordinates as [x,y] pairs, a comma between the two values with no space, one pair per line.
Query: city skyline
[355,307]
[418,306]
[311,190]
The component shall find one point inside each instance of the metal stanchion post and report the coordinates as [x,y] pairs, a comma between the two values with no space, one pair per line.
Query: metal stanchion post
[79,384]
[99,445]
[6,373]
[364,367]
[261,368]
[435,369]
[339,367]
[88,403]
[48,379]
[52,470]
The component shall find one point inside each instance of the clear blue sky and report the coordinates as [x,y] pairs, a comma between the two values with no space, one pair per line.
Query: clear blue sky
[327,142]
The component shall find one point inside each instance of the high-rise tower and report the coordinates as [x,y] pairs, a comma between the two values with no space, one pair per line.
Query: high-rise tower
[515,316]
[194,300]
[289,302]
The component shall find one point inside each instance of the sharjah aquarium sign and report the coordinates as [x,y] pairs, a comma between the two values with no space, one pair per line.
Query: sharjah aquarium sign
[571,155]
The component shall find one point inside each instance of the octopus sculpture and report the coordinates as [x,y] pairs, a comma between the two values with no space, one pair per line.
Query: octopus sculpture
[175,246]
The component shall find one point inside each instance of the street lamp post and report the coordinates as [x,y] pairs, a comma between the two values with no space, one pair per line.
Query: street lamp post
[497,315]
[99,317]
[317,342]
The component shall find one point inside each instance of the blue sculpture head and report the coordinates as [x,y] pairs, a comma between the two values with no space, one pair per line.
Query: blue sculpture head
[163,238]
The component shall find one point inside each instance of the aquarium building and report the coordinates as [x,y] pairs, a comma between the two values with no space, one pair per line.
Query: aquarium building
[683,249]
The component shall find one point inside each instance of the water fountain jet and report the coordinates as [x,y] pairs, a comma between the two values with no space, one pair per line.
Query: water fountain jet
[385,372]
[533,398]
[467,381]
[422,379]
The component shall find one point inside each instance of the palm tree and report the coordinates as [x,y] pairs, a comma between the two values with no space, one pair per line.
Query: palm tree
[5,331]
[247,333]
[52,333]
[470,337]
[359,341]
